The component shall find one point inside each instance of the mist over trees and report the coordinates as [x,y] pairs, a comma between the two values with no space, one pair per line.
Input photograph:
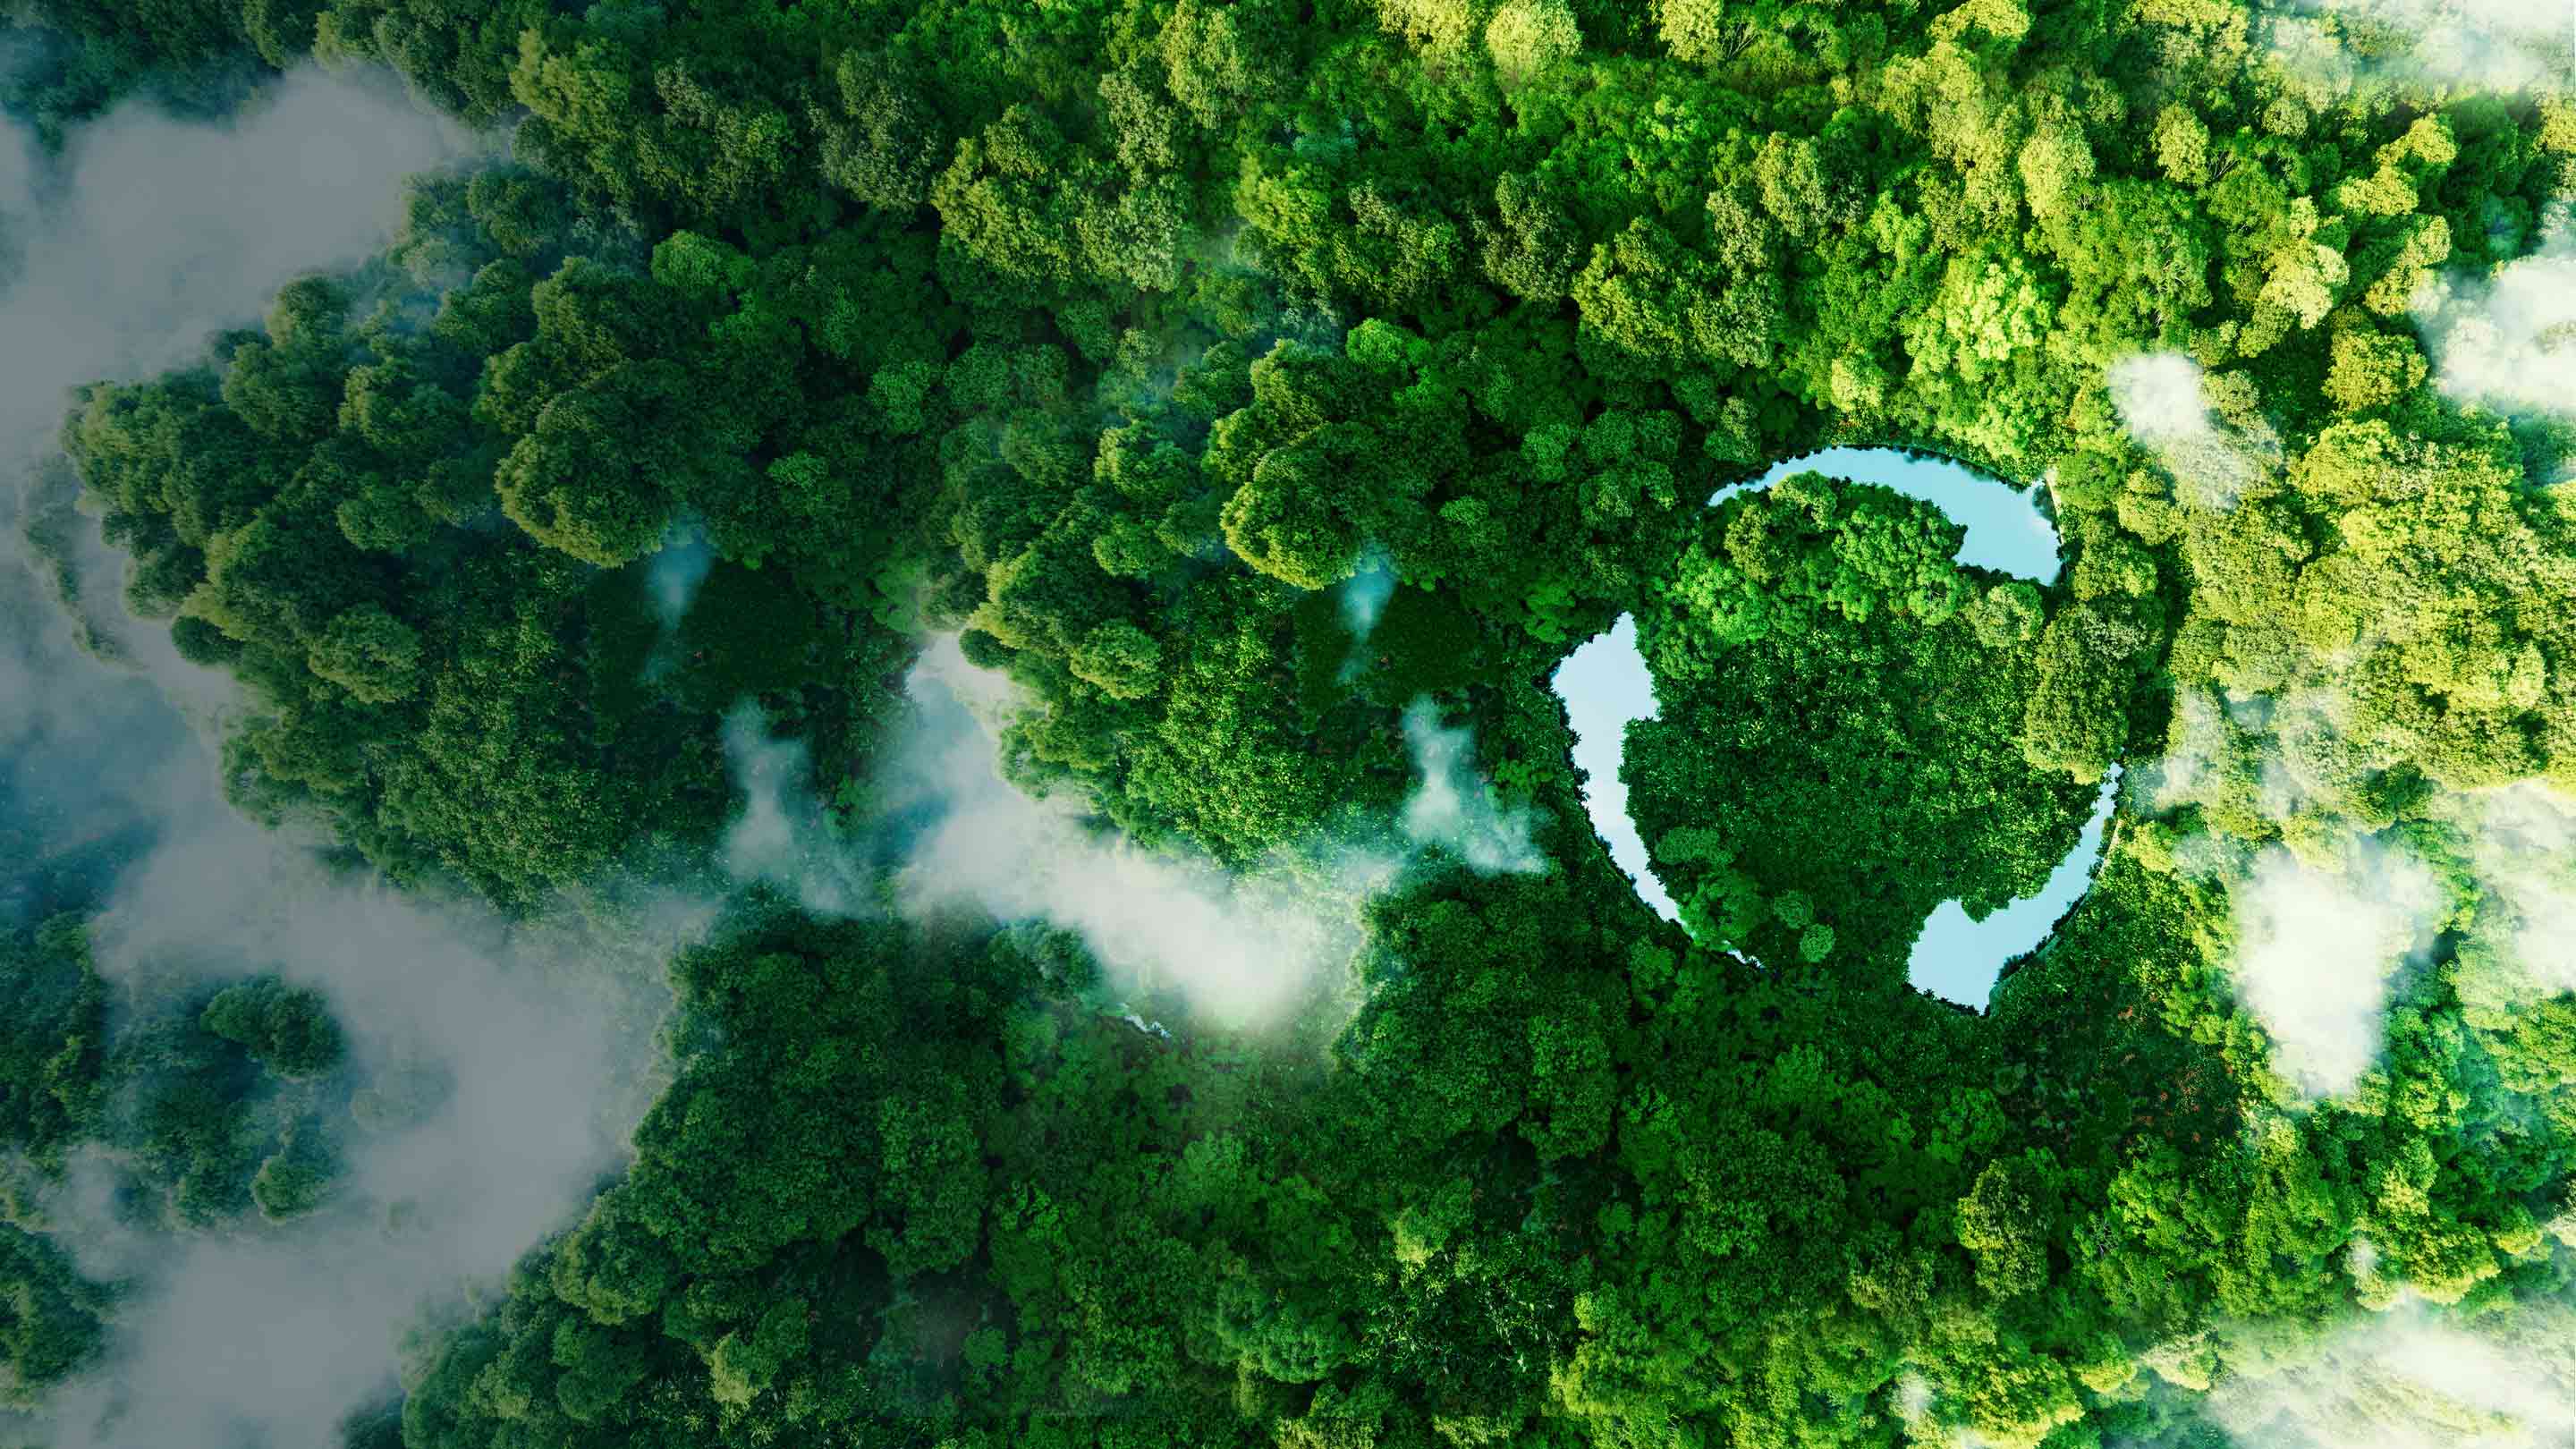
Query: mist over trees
[1251,404]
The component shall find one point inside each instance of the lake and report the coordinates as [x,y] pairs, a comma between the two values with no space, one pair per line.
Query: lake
[1605,684]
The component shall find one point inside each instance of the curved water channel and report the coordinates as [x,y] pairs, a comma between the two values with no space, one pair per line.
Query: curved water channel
[1605,684]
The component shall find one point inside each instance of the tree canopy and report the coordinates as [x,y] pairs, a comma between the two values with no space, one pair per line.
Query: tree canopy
[1233,380]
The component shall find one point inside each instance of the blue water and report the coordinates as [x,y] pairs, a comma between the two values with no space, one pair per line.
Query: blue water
[2006,530]
[1605,684]
[1957,959]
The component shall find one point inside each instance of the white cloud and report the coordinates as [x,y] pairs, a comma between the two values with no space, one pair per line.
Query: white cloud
[2316,949]
[2521,844]
[1363,598]
[2163,401]
[2526,858]
[272,1336]
[782,835]
[148,235]
[2486,45]
[1248,946]
[1244,946]
[2507,342]
[1365,593]
[2413,1380]
[1453,808]
[2158,395]
[165,231]
[675,573]
[2196,745]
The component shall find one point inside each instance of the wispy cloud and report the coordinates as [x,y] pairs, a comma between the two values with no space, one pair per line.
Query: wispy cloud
[1243,946]
[2163,400]
[147,235]
[2414,1379]
[782,836]
[273,1335]
[2508,341]
[1454,808]
[1246,946]
[2317,947]
[2488,45]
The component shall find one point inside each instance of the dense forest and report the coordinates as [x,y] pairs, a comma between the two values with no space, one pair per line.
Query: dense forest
[1249,404]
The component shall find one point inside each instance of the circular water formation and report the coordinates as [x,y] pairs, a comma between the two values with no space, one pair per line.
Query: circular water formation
[1606,684]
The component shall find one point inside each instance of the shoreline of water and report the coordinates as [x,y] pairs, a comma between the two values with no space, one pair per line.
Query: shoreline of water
[1605,685]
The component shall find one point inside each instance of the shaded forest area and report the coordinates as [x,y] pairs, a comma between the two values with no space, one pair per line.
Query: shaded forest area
[1118,338]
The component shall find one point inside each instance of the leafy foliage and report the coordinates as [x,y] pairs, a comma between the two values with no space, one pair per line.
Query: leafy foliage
[1132,341]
